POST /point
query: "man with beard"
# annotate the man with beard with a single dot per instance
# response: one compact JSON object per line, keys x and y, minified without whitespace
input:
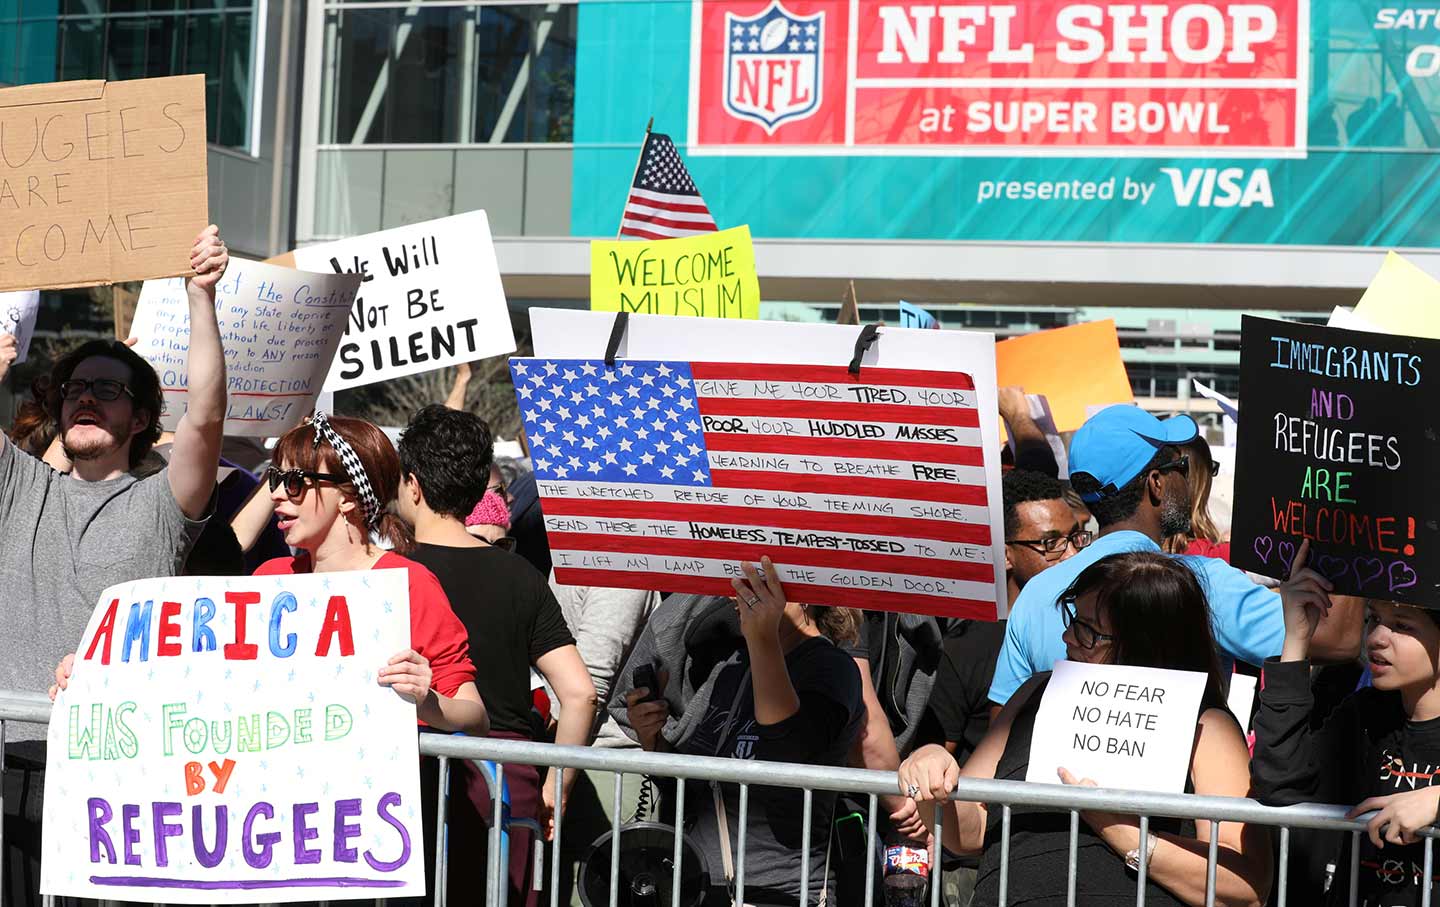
{"x":66,"y":537}
{"x":1128,"y":468}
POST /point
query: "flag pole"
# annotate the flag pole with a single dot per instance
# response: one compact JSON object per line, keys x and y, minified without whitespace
{"x":639,"y":159}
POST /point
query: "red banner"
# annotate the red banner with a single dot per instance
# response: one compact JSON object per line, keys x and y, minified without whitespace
{"x":1041,"y":77}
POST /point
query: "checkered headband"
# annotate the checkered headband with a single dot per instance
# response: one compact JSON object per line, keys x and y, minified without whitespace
{"x":353,"y":467}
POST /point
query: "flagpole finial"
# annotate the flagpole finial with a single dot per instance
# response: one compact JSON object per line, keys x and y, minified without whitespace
{"x":650,"y":125}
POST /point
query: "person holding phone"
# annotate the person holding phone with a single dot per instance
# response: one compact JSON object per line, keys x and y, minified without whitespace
{"x":783,"y":693}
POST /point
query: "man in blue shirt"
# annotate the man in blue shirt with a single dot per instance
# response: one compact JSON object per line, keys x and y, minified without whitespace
{"x":1128,"y":468}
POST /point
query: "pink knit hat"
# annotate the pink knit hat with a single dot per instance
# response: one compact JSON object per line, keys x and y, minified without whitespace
{"x":490,"y":511}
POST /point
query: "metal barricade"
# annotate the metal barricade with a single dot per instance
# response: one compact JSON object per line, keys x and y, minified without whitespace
{"x":808,"y":779}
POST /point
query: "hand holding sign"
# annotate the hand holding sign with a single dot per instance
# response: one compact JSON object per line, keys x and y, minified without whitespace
{"x":1305,"y":596}
{"x":1119,"y":832}
{"x":208,"y":259}
{"x":9,"y":350}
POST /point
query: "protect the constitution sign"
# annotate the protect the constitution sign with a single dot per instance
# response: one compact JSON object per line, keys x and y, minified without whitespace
{"x":225,"y":740}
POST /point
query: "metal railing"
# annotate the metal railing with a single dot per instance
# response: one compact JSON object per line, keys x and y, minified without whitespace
{"x":808,"y":779}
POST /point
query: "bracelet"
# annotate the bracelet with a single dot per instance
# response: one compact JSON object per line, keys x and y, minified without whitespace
{"x":1132,"y":859}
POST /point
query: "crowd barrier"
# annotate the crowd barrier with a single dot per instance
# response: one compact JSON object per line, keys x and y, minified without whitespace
{"x":24,"y":707}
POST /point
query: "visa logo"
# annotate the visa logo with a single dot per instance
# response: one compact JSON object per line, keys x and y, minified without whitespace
{"x":1212,"y":187}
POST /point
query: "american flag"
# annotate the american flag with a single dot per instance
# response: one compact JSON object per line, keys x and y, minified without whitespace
{"x":664,"y":202}
{"x":866,"y":492}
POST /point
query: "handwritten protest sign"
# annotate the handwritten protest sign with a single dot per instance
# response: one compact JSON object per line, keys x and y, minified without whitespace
{"x":912,"y":316}
{"x":430,"y":297}
{"x":17,"y":317}
{"x":1073,"y":367}
{"x":280,"y":329}
{"x":700,"y":449}
{"x":225,"y":739}
{"x":1402,"y":299}
{"x":1338,"y":445}
{"x":710,"y":274}
{"x":101,"y":181}
{"x":1120,"y":726}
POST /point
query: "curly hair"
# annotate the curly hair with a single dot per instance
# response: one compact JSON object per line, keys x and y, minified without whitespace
{"x":144,"y":387}
{"x":449,"y":452}
{"x":1022,"y":486}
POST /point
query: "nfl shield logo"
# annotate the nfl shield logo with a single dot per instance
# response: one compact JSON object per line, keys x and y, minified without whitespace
{"x":772,"y":66}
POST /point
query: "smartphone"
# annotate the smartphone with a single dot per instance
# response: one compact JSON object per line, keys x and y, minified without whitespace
{"x":644,"y":676}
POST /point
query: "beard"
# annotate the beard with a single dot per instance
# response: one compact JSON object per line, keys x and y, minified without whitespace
{"x":92,"y":447}
{"x":1174,"y":517}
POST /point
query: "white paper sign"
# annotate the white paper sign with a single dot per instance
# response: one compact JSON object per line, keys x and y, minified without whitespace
{"x":1345,"y":318}
{"x":17,"y":316}
{"x":572,"y":334}
{"x":1242,"y":698}
{"x":431,"y":298}
{"x":279,"y":327}
{"x":224,"y":740}
{"x":1122,"y":727}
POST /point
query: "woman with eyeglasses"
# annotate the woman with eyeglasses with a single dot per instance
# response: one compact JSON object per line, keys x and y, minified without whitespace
{"x":1142,"y":609}
{"x":331,"y":482}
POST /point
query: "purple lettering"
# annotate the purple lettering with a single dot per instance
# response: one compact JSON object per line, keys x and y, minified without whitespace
{"x":344,"y":831}
{"x":390,"y":800}
{"x":303,"y":833}
{"x":160,"y":814}
{"x":100,"y":813}
{"x":258,"y":857}
{"x":129,"y":812}
{"x":210,"y":858}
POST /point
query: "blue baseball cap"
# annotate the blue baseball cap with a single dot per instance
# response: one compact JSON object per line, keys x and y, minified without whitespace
{"x":1115,"y":444}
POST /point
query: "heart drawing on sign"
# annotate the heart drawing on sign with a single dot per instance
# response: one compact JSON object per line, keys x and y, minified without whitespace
{"x":1286,"y":550}
{"x":1332,"y":567}
{"x":1263,"y":544}
{"x":1368,"y":570}
{"x":1401,"y":576}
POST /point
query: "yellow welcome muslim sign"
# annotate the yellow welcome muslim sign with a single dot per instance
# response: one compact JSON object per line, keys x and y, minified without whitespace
{"x":710,"y":275}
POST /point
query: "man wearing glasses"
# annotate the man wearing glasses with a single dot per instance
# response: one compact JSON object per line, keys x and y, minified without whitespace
{"x":1129,"y":470}
{"x":67,"y":537}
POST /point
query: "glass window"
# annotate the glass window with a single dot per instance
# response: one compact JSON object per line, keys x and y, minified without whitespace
{"x":403,"y":76}
{"x":126,"y":50}
{"x":9,"y":51}
{"x":234,"y":119}
{"x":83,"y":49}
{"x":39,"y":45}
{"x":164,"y":50}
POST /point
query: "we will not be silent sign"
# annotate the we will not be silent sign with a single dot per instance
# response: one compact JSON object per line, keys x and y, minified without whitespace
{"x":227,"y":739}
{"x":1338,"y":444}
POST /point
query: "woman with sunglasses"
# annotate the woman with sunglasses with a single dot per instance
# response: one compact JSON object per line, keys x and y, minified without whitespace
{"x":1202,"y":539}
{"x":1142,"y":609}
{"x":331,"y":482}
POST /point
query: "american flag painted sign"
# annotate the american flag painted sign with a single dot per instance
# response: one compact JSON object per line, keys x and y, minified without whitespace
{"x":866,"y":492}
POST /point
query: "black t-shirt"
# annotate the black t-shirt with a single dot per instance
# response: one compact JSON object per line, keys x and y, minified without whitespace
{"x":821,"y":733}
{"x":960,"y":701}
{"x":512,"y":618}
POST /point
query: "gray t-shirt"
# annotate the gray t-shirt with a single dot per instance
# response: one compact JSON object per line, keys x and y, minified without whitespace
{"x":62,"y":542}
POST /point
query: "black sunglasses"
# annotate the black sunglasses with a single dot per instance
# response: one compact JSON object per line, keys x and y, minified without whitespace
{"x":294,"y":479}
{"x":1180,"y":464}
{"x":1086,"y":633}
{"x":1053,"y":547}
{"x":104,"y":389}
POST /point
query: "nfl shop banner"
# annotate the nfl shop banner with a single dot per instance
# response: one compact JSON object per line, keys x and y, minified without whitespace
{"x":1043,"y":121}
{"x":693,"y":451}
{"x":1042,"y":77}
{"x":224,"y":741}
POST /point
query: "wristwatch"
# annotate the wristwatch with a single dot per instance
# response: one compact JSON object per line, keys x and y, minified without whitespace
{"x":1132,"y":859}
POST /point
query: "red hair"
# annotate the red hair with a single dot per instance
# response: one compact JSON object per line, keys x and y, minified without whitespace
{"x":298,"y":449}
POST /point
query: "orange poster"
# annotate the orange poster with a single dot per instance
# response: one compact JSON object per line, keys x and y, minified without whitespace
{"x":1075,"y":368}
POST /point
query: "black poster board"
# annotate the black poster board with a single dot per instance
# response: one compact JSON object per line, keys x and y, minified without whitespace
{"x":1338,"y":443}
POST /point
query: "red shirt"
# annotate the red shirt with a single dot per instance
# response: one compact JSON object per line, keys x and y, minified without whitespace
{"x":435,"y":631}
{"x":1204,"y":548}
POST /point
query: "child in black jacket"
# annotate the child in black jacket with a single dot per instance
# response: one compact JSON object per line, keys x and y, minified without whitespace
{"x":1379,"y":749}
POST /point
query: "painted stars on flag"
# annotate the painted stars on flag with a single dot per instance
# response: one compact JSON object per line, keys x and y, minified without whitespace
{"x":637,"y":422}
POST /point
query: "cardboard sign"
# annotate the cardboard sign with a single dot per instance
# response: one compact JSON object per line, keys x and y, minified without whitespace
{"x":1338,"y":444}
{"x":702,"y":449}
{"x":1072,"y":367}
{"x":101,"y":181}
{"x":1122,"y":727}
{"x":17,"y":317}
{"x":912,"y":316}
{"x":711,"y":275}
{"x":224,"y":740}
{"x":430,"y":297}
{"x":280,"y":329}
{"x":1402,"y":299}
